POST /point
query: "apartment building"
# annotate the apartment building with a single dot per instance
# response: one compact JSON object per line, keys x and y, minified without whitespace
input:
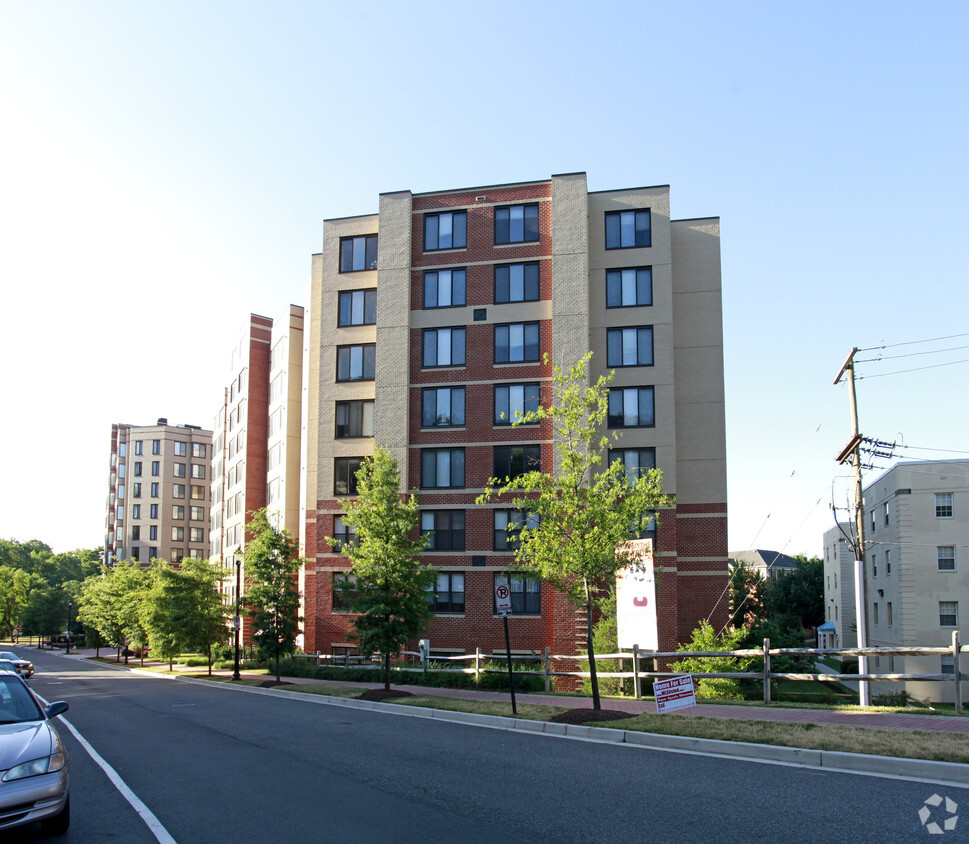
{"x":158,"y":493}
{"x":916,"y":568}
{"x":431,"y":323}
{"x":257,"y":442}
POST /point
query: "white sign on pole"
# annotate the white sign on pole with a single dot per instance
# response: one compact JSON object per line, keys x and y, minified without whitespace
{"x":503,"y":599}
{"x":636,"y":600}
{"x":674,"y":693}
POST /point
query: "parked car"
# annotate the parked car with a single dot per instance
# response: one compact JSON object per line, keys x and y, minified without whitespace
{"x":25,"y":665}
{"x":35,"y":779}
{"x":7,"y":665}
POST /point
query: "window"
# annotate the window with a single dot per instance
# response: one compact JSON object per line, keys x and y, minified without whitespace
{"x":358,"y":253}
{"x":516,"y":342}
{"x":943,"y":505}
{"x":198,"y":471}
{"x":344,"y":534}
{"x":628,"y":288}
{"x":886,"y":514}
{"x":516,"y":223}
{"x":153,"y":532}
{"x":447,"y":594}
{"x":946,"y":557}
{"x":874,"y":613}
{"x":444,"y":529}
{"x":139,"y":447}
{"x":510,"y":461}
{"x":198,"y":492}
{"x":120,"y":490}
{"x":526,"y":592}
{"x":121,"y":470}
{"x":631,"y":407}
{"x":948,"y":664}
{"x":358,"y":307}
{"x":153,"y":552}
{"x":626,"y":229}
{"x":177,"y":555}
{"x":156,"y":446}
{"x":154,"y":490}
{"x":516,"y":283}
{"x":508,"y":523}
{"x":629,"y":346}
{"x":137,"y":469}
{"x":634,"y":460}
{"x":197,"y":514}
{"x":155,"y":468}
{"x":512,"y":401}
{"x":275,"y":426}
{"x":442,"y":407}
{"x":874,"y":520}
{"x":178,"y":511}
{"x":153,"y":511}
{"x":345,"y":475}
{"x":948,"y":613}
{"x":198,"y":450}
{"x":343,"y":591}
{"x":136,"y":489}
{"x":874,"y":565}
{"x":442,"y":468}
{"x":179,"y":470}
{"x":178,"y":534}
{"x":445,"y":288}
{"x":136,"y":511}
{"x":889,"y":614}
{"x":356,"y":363}
{"x":354,"y":419}
{"x":123,"y":449}
{"x":888,"y":562}
{"x":443,"y":347}
{"x":180,"y":449}
{"x":178,"y":490}
{"x":445,"y":230}
{"x":196,"y":534}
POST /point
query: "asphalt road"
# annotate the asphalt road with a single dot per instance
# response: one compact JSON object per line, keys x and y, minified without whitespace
{"x":214,"y":765}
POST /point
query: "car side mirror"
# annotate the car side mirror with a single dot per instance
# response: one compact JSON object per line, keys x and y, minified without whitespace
{"x":56,"y":708}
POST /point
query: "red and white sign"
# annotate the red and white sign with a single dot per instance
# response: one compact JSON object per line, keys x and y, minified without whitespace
{"x":503,"y":599}
{"x":636,"y":599}
{"x":674,"y":693}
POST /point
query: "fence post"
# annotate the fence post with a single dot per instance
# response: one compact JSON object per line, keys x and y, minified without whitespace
{"x":548,"y":669}
{"x":766,"y":670}
{"x":317,"y":659}
{"x":637,"y":685}
{"x":477,"y":665}
{"x":958,"y":671}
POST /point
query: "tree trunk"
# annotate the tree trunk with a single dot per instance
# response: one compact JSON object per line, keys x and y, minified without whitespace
{"x":277,"y":667}
{"x":210,"y":660}
{"x":387,"y":672}
{"x":592,"y":654}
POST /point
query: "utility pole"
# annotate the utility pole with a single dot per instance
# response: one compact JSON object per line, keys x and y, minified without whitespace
{"x":852,"y":452}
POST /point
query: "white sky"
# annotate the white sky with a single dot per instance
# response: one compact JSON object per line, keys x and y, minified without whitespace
{"x":165,"y":168}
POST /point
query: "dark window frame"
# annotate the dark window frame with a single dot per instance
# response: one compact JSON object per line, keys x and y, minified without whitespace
{"x":531,"y":339}
{"x":430,"y":403}
{"x":618,"y":238}
{"x":526,"y":456}
{"x":449,"y":605}
{"x":457,"y":471}
{"x":614,"y":420}
{"x":432,"y":232}
{"x":344,"y":362}
{"x":531,"y":282}
{"x":616,"y":343}
{"x":431,"y":281}
{"x":524,"y":600}
{"x":531,"y":401}
{"x":345,"y":474}
{"x":506,"y":538}
{"x":340,"y":598}
{"x":449,"y":531}
{"x":350,"y":260}
{"x":530,"y":224}
{"x":616,"y":288}
{"x":351,"y":428}
{"x":458,"y":346}
{"x":345,"y":307}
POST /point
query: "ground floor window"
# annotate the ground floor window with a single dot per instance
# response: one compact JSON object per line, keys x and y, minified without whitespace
{"x":526,"y":591}
{"x":446,"y":595}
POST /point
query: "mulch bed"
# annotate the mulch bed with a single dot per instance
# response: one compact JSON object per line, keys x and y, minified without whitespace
{"x":383,"y":694}
{"x":268,"y":684}
{"x":586,"y":716}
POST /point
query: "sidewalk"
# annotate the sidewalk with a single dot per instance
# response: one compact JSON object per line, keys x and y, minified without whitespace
{"x":885,"y":721}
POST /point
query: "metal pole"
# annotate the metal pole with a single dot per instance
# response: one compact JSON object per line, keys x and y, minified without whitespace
{"x":511,"y":674}
{"x":637,"y":683}
{"x":237,"y":622}
{"x":958,"y":670}
{"x":766,"y":671}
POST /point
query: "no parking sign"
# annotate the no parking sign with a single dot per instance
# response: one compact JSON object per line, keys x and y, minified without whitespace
{"x":503,"y":599}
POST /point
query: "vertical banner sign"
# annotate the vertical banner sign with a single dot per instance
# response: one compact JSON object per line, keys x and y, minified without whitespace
{"x":636,"y":599}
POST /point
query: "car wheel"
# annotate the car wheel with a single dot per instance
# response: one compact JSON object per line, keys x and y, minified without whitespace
{"x":58,"y":824}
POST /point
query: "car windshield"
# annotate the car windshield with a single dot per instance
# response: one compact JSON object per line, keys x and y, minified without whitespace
{"x":8,"y":655}
{"x":16,"y":702}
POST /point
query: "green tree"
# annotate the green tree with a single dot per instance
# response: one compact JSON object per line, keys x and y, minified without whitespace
{"x":391,"y":584}
{"x":46,"y":611}
{"x":800,"y":593}
{"x":111,"y":603}
{"x":198,"y":610}
{"x":159,"y":611}
{"x":14,"y":592}
{"x":706,"y":639}
{"x":272,"y":596}
{"x":586,"y":508}
{"x":748,"y":595}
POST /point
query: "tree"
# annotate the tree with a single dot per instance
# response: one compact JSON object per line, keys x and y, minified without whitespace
{"x":14,"y":591}
{"x":46,"y":611}
{"x":706,"y":639}
{"x":748,"y":595}
{"x":272,"y":596}
{"x":586,"y":508}
{"x":800,"y":593}
{"x":198,"y":610}
{"x":159,"y":612}
{"x":391,"y":584}
{"x":111,"y":604}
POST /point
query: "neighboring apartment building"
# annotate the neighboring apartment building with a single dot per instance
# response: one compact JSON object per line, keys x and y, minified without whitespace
{"x":257,"y":442}
{"x":917,"y":570}
{"x":158,"y":494}
{"x":431,"y":320}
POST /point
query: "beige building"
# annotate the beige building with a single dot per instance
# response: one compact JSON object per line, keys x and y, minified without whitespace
{"x":158,"y":493}
{"x":917,"y":571}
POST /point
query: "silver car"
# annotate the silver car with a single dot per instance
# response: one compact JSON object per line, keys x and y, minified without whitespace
{"x":33,"y":762}
{"x":25,"y":666}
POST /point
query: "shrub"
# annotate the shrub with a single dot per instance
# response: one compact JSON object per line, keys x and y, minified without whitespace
{"x":705,"y":639}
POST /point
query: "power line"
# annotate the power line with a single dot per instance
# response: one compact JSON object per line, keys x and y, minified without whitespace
{"x":880,"y":358}
{"x":912,"y":342}
{"x":917,"y":369}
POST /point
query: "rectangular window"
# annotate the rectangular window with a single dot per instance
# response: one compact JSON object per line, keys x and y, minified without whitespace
{"x":196,"y":534}
{"x":445,"y":288}
{"x":178,"y":511}
{"x":629,"y":346}
{"x":627,"y":229}
{"x":888,"y":561}
{"x":137,"y":469}
{"x":510,"y":461}
{"x":874,"y":520}
{"x":874,"y":565}
{"x":343,"y":591}
{"x":634,"y":460}
{"x":629,"y":288}
{"x":358,"y":307}
{"x":121,"y":470}
{"x":356,"y":363}
{"x":508,"y":523}
{"x":136,"y":511}
{"x":442,"y":407}
{"x":123,"y":449}
{"x":943,"y":505}
{"x":179,"y":470}
{"x":444,"y":529}
{"x":631,"y":407}
{"x":886,"y":514}
{"x":444,"y":347}
{"x":874,"y":613}
{"x":516,"y":342}
{"x":139,"y":447}
{"x":154,"y":490}
{"x":442,"y":468}
{"x":136,"y":532}
{"x":512,"y":401}
{"x":354,"y":419}
{"x":177,"y":555}
{"x":155,"y":468}
{"x":889,"y":614}
{"x":153,"y":533}
{"x":156,"y":446}
{"x":948,"y":664}
{"x":447,"y":594}
{"x":180,"y":449}
{"x":948,"y":613}
{"x":197,"y":514}
{"x":344,"y":534}
{"x":136,"y":489}
{"x":445,"y":230}
{"x":198,"y":450}
{"x":153,"y":511}
{"x":516,"y":283}
{"x":120,"y":490}
{"x":345,"y":475}
{"x":526,"y":592}
{"x":516,"y":223}
{"x":178,"y":534}
{"x":946,"y":557}
{"x":358,"y":253}
{"x":178,"y":490}
{"x":198,"y":471}
{"x":198,"y":492}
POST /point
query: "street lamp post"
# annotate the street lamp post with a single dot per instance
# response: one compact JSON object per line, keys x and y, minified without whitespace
{"x":237,"y":621}
{"x":69,"y":605}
